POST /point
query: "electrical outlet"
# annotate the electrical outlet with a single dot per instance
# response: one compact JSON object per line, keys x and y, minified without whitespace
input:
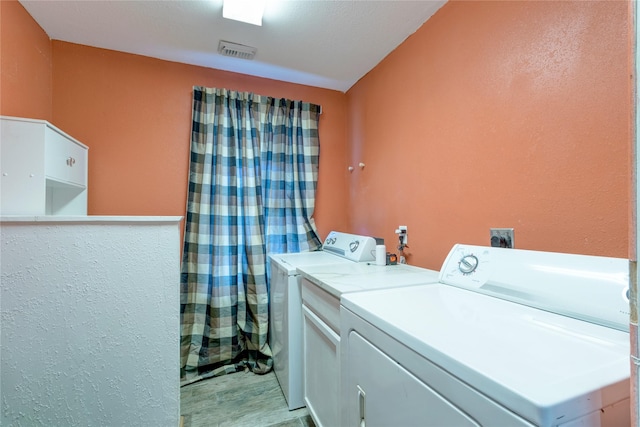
{"x":502,"y":237}
{"x":401,"y":231}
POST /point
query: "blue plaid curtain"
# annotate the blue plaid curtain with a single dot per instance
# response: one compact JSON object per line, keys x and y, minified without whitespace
{"x":252,"y":181}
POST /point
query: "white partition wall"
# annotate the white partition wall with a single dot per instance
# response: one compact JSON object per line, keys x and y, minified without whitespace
{"x":89,"y":321}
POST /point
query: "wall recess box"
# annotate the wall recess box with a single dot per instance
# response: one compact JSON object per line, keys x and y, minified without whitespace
{"x":502,"y":237}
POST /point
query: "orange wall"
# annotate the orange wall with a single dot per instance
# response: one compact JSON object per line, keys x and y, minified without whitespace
{"x":25,"y":64}
{"x":498,"y":114}
{"x":134,"y":113}
{"x":493,"y":114}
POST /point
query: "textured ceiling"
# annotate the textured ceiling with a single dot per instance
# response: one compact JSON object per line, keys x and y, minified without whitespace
{"x":323,"y":43}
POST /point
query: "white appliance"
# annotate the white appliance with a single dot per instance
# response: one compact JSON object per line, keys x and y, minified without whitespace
{"x":285,"y":311}
{"x":508,"y":337}
{"x":321,"y":292}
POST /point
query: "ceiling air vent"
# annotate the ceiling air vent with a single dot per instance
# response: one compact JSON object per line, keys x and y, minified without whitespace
{"x":236,"y":50}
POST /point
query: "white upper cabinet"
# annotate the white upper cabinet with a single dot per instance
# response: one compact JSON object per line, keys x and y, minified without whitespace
{"x":43,"y":170}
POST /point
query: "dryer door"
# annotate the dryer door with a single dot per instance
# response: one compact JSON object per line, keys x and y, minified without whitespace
{"x":384,"y":394}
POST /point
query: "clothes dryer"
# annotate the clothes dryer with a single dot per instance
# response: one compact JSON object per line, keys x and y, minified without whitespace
{"x":507,"y":337}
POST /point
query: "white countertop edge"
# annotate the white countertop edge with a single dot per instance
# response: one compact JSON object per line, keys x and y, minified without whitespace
{"x":322,"y":285}
{"x":337,"y":286}
{"x":88,"y":219}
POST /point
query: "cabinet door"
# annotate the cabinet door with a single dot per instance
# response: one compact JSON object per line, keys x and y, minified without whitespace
{"x":22,"y":191}
{"x":321,"y":370}
{"x":66,"y":160}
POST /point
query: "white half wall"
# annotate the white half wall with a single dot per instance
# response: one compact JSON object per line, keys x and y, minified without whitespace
{"x":89,"y":322}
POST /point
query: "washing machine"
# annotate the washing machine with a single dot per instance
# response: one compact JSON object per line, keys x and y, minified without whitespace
{"x":505,"y":338}
{"x":322,"y":289}
{"x":285,"y":308}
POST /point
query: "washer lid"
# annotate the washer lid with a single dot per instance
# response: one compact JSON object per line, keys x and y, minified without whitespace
{"x":300,"y":259}
{"x":545,"y":367}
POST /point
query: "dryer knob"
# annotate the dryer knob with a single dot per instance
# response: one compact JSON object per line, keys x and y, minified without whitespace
{"x":468,"y":264}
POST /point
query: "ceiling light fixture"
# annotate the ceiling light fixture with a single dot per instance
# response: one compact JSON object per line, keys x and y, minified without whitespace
{"x":249,"y":11}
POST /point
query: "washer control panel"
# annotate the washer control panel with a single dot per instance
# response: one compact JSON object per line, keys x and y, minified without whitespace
{"x":353,"y":247}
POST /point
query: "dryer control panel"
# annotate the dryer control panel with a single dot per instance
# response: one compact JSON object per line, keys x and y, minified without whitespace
{"x":586,"y":287}
{"x":467,"y":266}
{"x":351,"y":246}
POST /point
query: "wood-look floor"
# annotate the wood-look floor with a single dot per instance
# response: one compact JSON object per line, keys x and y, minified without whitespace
{"x":242,"y":399}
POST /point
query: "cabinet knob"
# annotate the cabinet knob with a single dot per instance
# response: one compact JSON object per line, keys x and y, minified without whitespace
{"x":31,"y":175}
{"x":5,"y":174}
{"x":71,"y":161}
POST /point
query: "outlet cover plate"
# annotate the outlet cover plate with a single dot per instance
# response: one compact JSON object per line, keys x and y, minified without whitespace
{"x":502,"y":237}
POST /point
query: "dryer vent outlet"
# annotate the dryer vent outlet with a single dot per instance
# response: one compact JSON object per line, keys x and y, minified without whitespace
{"x":502,"y":238}
{"x":236,"y":50}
